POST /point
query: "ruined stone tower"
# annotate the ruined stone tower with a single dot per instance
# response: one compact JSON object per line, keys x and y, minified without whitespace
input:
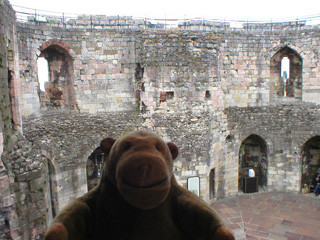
{"x":220,"y":93}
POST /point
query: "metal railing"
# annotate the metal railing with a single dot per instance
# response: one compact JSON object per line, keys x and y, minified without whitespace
{"x":24,"y":14}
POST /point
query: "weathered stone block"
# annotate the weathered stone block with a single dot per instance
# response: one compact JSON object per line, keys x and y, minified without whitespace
{"x":4,"y":186}
{"x":33,"y":175}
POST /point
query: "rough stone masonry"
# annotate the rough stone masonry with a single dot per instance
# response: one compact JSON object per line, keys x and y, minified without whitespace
{"x":216,"y":91}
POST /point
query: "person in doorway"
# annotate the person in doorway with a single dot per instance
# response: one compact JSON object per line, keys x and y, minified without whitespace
{"x":317,"y":188}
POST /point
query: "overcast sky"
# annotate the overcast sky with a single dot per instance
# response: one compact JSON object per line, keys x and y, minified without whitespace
{"x":223,"y":9}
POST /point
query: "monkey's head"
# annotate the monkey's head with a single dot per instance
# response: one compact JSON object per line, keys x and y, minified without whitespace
{"x":140,"y":165}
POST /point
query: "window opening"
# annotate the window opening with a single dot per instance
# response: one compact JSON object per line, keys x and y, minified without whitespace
{"x":43,"y":73}
{"x":164,"y":96}
{"x":208,"y":95}
{"x":212,"y":183}
{"x":43,"y":78}
{"x":170,"y":95}
{"x":56,"y":77}
{"x":285,"y":74}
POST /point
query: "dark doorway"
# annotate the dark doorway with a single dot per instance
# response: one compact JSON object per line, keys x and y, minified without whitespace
{"x":94,"y":168}
{"x":310,"y":161}
{"x":51,"y":191}
{"x":253,"y":156}
{"x":212,"y":183}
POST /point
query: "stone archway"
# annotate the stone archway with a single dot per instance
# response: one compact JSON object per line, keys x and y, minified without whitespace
{"x":58,"y":92}
{"x":51,"y":190}
{"x":94,"y":167}
{"x":310,"y":161}
{"x":212,"y":179}
{"x":253,"y":155}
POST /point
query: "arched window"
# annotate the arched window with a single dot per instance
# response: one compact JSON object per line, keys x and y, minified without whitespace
{"x":55,"y":69}
{"x":286,"y":74}
{"x":43,"y":73}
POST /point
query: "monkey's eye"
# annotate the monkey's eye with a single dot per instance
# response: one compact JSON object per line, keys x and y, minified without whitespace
{"x":126,"y":146}
{"x":158,"y":147}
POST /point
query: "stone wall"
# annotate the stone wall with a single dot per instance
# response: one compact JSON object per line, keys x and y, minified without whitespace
{"x":22,"y":206}
{"x":246,"y":74}
{"x":203,"y":85}
{"x":7,"y":21}
{"x":103,"y":70}
{"x":7,"y":42}
{"x":67,"y":140}
{"x":28,"y":188}
{"x":285,"y":129}
{"x":122,"y":64}
{"x":231,"y":65}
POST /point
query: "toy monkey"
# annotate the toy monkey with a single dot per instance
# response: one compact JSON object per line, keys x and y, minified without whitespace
{"x":138,"y":198}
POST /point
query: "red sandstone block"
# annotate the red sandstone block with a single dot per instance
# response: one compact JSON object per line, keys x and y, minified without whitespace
{"x":246,"y":219}
{"x":4,"y":186}
{"x":249,"y":237}
{"x":293,"y":236}
{"x":37,"y":231}
{"x":233,"y":226}
{"x":227,"y":210}
{"x":235,"y":220}
{"x":8,"y":201}
{"x":250,"y":226}
{"x":308,"y":230}
{"x":225,"y":215}
{"x":257,"y":233}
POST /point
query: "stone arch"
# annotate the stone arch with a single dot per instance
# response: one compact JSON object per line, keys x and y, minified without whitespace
{"x":290,"y":84}
{"x":253,"y":154}
{"x":59,"y":90}
{"x":91,"y":157}
{"x":57,"y":43}
{"x":51,"y":193}
{"x":94,"y":167}
{"x":276,"y":49}
{"x":212,"y":183}
{"x":310,"y":160}
{"x":300,"y":142}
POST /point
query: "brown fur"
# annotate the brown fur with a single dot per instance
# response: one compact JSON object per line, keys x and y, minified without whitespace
{"x":138,"y":198}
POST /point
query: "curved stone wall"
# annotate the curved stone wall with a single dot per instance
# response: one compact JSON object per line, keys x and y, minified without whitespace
{"x":204,"y":85}
{"x":121,"y":64}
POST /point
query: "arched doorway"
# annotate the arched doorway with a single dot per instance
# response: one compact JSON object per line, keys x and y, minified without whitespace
{"x":57,"y":92}
{"x":310,"y":161}
{"x":253,"y":155}
{"x":212,"y":182}
{"x":94,"y":167}
{"x":51,"y":191}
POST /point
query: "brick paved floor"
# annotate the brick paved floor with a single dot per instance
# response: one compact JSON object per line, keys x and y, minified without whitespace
{"x":277,"y":216}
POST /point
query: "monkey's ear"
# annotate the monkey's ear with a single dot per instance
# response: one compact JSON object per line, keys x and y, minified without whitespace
{"x":173,"y":149}
{"x":106,"y":144}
